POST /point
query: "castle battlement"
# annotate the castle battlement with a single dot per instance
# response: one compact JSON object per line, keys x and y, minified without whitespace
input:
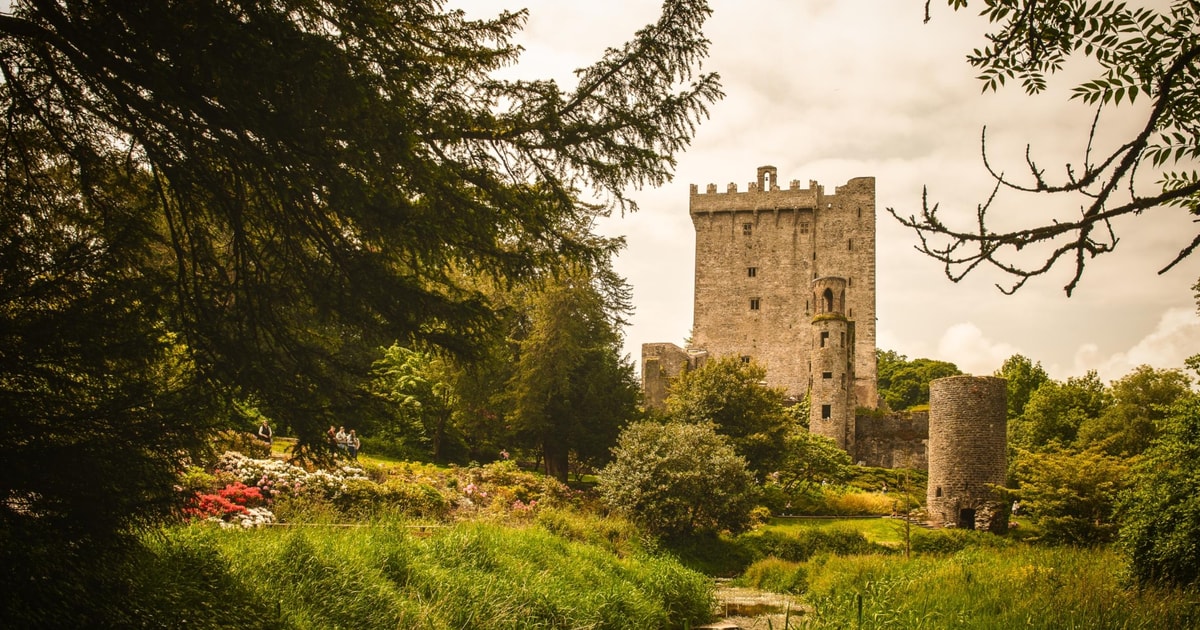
{"x":757,"y":254}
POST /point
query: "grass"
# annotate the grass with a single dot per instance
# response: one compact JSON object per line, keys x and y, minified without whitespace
{"x":470,"y":575}
{"x":883,"y":531}
{"x":979,"y":587}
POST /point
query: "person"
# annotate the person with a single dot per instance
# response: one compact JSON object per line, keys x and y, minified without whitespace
{"x":353,"y":444}
{"x":331,"y":435}
{"x":342,"y":439}
{"x":264,"y":432}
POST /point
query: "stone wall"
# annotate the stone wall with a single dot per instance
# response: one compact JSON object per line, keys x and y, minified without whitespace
{"x":757,"y":252}
{"x":897,"y":440}
{"x":662,"y":362}
{"x":967,"y":452}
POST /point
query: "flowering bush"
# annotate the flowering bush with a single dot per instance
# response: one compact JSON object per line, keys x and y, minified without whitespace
{"x":274,"y":477}
{"x":234,"y":505}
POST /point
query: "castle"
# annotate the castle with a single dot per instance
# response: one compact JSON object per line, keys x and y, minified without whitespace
{"x":786,"y":278}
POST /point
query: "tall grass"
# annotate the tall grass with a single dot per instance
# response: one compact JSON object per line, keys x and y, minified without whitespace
{"x":980,"y":587}
{"x":466,"y":576}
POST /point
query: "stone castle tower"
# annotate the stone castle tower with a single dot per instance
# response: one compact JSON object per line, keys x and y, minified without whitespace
{"x":779,"y":272}
{"x":968,"y":432}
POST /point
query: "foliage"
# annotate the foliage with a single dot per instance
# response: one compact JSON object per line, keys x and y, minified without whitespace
{"x":1071,"y":497}
{"x":240,"y":200}
{"x":243,"y":442}
{"x":614,"y":533}
{"x":730,"y":394}
{"x":573,"y":390}
{"x":801,"y":543}
{"x":467,"y":576}
{"x":983,"y":588}
{"x":872,"y":479}
{"x":1160,"y":525}
{"x":775,"y":575}
{"x":904,"y":384}
{"x":1022,"y":377}
{"x":1055,"y":411}
{"x":678,"y":478}
{"x":420,"y":386}
{"x":954,"y":540}
{"x":844,"y":501}
{"x":811,"y":460}
{"x":1139,"y":403}
{"x":1137,"y":51}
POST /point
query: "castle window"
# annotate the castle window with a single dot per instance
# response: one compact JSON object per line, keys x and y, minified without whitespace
{"x":939,"y":492}
{"x":745,"y":358}
{"x":828,"y":295}
{"x":751,"y":272}
{"x":754,"y":304}
{"x":747,"y":228}
{"x":826,"y":412}
{"x":849,"y":282}
{"x":826,"y":374}
{"x":850,"y":244}
{"x":804,"y":227}
{"x":843,"y":339}
{"x":824,"y":338}
{"x":860,"y":212}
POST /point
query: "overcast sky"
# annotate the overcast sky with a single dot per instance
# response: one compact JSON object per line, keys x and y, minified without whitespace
{"x":829,"y":90}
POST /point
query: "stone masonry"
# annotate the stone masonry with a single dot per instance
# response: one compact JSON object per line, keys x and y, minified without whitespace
{"x":757,"y":255}
{"x":967,"y":448}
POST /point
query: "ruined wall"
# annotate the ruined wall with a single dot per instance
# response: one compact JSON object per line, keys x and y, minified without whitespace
{"x":897,"y":440}
{"x":757,"y":252}
{"x":968,"y":428}
{"x":662,"y":362}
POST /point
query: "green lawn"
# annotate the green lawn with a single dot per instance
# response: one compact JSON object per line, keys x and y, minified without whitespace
{"x":885,"y":531}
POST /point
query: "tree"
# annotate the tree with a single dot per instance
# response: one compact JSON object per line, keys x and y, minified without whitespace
{"x":1160,"y":524}
{"x":811,"y":460}
{"x":904,"y":384}
{"x":274,"y":191}
{"x":1140,"y":402}
{"x":324,"y":173}
{"x":1072,"y":496}
{"x":1022,"y":378}
{"x":1140,"y":52}
{"x":572,"y":389}
{"x":422,"y":390}
{"x":1055,"y":411}
{"x":731,"y":395}
{"x":677,"y":478}
{"x":102,"y":401}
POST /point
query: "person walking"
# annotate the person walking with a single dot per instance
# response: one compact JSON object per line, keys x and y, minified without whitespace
{"x":353,"y":445}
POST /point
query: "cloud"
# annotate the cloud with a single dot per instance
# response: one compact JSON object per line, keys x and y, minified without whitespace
{"x":1175,"y":338}
{"x":966,"y":346}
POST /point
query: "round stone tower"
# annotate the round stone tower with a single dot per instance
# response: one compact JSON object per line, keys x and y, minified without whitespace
{"x":831,"y":367}
{"x":968,"y":427}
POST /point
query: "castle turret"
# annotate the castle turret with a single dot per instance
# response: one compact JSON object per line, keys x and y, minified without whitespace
{"x":831,"y":369}
{"x":968,"y":432}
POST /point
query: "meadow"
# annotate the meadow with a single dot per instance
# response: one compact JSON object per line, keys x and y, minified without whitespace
{"x":397,"y":544}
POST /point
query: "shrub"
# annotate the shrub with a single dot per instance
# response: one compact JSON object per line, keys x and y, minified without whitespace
{"x":775,"y":575}
{"x":953,"y":540}
{"x":806,"y":542}
{"x":242,"y":442}
{"x":1072,"y":496}
{"x":612,"y":532}
{"x":1161,"y":528}
{"x":677,"y":478}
